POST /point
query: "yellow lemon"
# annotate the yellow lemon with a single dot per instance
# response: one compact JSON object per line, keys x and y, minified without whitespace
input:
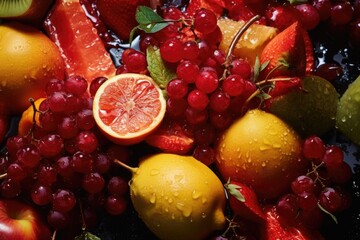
{"x":178,"y":197}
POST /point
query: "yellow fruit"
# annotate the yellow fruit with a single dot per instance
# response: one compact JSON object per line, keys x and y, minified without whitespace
{"x":250,"y":44}
{"x":261,"y":150}
{"x":28,"y":59}
{"x":178,"y":197}
{"x":27,"y":118}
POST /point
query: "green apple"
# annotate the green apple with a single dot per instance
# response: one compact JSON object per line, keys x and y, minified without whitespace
{"x":311,"y":110}
{"x":348,"y":114}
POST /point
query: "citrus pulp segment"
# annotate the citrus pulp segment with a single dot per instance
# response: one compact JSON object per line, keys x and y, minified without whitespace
{"x":128,"y":107}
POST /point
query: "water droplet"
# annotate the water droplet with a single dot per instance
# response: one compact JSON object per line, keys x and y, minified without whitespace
{"x":154,"y":172}
{"x":196,"y":194}
{"x":153,"y":198}
{"x":185,"y":210}
{"x":203,"y":215}
{"x":263,"y":164}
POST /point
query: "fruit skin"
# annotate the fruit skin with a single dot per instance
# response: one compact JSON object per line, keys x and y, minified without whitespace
{"x":33,"y":14}
{"x":119,"y":15}
{"x":178,"y":197}
{"x":81,"y":48}
{"x":274,"y":229}
{"x":248,"y":207}
{"x":310,"y":110}
{"x":139,"y":87}
{"x":20,"y":221}
{"x":257,"y":149}
{"x":28,"y":60}
{"x":286,"y":54}
{"x":348,"y":112}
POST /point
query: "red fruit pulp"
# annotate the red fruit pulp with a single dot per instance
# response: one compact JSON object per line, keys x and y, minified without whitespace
{"x":80,"y":46}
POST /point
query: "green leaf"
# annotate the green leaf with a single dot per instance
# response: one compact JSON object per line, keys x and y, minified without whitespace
{"x":264,"y":65}
{"x":327,"y":212}
{"x":257,"y":68}
{"x":145,"y":15}
{"x":153,"y":27}
{"x":157,"y":68}
{"x":283,"y":62}
{"x":233,"y":189}
{"x":87,"y":236}
{"x":132,"y":33}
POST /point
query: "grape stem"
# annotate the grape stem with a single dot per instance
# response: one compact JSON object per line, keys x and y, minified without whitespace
{"x":236,"y":39}
{"x":3,"y":176}
{"x":131,"y":169}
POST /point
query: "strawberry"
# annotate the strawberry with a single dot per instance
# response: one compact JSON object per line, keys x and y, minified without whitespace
{"x":243,"y":201}
{"x":285,"y":85}
{"x":309,"y":52}
{"x":285,"y":54}
{"x":281,"y":16}
{"x":273,"y":229}
{"x":119,"y":15}
{"x":172,"y":137}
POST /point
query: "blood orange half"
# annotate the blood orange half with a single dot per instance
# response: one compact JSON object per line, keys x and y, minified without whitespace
{"x":128,"y":107}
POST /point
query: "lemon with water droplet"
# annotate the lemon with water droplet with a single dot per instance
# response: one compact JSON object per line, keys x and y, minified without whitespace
{"x":348,"y":114}
{"x":184,"y":200}
{"x":311,"y":110}
{"x":268,"y":164}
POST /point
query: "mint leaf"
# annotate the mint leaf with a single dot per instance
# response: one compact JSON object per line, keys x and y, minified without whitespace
{"x":145,"y":15}
{"x":87,"y":236}
{"x":157,"y":68}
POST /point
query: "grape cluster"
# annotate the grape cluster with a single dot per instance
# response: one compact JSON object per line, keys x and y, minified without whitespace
{"x":322,"y":190}
{"x":64,"y":161}
{"x":207,"y":92}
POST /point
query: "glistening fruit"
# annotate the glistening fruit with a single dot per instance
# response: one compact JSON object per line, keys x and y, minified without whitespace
{"x":310,"y":110}
{"x":262,"y":151}
{"x":28,"y":60}
{"x":348,"y":113}
{"x":177,"y":197}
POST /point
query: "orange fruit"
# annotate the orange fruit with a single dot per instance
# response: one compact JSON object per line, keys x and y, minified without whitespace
{"x":28,"y":59}
{"x":27,"y":118}
{"x":128,"y":107}
{"x":262,"y":151}
{"x":250,"y":44}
